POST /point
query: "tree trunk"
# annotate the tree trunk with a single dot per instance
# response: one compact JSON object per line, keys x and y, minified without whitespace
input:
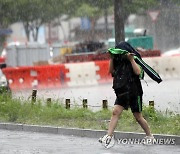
{"x":119,"y":21}
{"x":27,"y":31}
{"x":33,"y":34}
{"x":2,"y":41}
{"x":62,"y":28}
{"x":36,"y":34}
{"x":92,"y":30}
{"x":106,"y":22}
{"x":64,"y":35}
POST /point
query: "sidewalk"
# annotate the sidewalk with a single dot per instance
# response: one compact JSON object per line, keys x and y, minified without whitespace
{"x":21,"y":142}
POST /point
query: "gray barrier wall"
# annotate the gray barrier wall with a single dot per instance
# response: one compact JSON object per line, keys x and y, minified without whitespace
{"x":11,"y":59}
{"x":56,"y":50}
{"x":26,"y":55}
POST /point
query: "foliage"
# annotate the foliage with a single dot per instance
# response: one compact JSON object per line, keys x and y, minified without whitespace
{"x":137,"y":6}
{"x":37,"y":12}
{"x":6,"y":16}
{"x":34,"y":13}
{"x":6,"y":13}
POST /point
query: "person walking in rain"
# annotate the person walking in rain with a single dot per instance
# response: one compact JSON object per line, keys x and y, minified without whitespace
{"x":126,"y":75}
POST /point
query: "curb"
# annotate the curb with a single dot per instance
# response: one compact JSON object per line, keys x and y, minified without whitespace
{"x":83,"y":132}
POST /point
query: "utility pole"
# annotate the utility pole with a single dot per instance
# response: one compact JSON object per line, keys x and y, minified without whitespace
{"x":49,"y":33}
{"x":119,"y":21}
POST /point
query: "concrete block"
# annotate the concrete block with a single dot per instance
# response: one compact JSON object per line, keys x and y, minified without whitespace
{"x":41,"y":129}
{"x":169,"y":138}
{"x":94,"y":133}
{"x":48,"y":129}
{"x":2,"y":126}
{"x":64,"y":131}
{"x":31,"y":128}
{"x":17,"y":127}
{"x":87,"y":132}
{"x":129,"y":135}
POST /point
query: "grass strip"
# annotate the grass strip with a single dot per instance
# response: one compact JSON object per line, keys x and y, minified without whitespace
{"x":22,"y":111}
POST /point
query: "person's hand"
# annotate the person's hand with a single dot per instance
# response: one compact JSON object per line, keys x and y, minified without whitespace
{"x":130,"y":56}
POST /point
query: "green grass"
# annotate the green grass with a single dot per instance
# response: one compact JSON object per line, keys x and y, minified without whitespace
{"x":22,"y":111}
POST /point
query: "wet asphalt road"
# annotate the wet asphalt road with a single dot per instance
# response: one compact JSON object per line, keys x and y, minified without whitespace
{"x":15,"y":142}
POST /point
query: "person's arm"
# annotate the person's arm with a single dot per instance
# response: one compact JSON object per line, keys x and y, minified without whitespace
{"x":111,"y":67}
{"x":135,"y":66}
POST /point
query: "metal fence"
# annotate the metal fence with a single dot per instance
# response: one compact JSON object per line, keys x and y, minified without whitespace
{"x":27,"y":55}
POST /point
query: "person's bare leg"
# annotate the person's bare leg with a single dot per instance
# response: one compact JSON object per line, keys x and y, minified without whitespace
{"x":143,"y":123}
{"x":114,"y":118}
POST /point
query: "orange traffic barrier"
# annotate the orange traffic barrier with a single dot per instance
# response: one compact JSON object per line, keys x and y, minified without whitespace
{"x":2,"y":60}
{"x":59,"y":76}
{"x":51,"y":76}
{"x":105,"y":76}
{"x":36,"y":77}
{"x":18,"y":78}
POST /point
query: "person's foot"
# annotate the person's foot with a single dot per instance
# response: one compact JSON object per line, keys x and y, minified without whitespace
{"x":103,"y":138}
{"x":107,"y":141}
{"x":149,"y":140}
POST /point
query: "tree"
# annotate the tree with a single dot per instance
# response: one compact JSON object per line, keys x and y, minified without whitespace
{"x":123,"y":8}
{"x":92,"y":13}
{"x":137,"y":6}
{"x":32,"y":16}
{"x":90,"y":9}
{"x":6,"y":16}
{"x":119,"y":21}
{"x":36,"y":13}
{"x":95,"y":9}
{"x":105,"y":6}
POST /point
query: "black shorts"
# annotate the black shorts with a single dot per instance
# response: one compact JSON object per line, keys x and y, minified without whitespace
{"x":126,"y":100}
